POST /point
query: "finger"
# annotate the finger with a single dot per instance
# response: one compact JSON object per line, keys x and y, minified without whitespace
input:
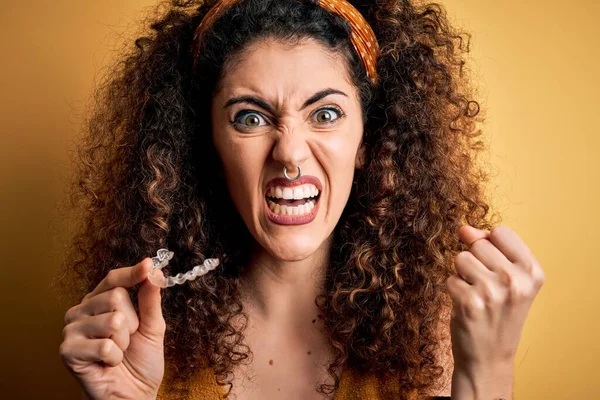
{"x":116,"y":299}
{"x":490,"y":256}
{"x":111,"y":325}
{"x":123,"y":277}
{"x":76,"y":351}
{"x":510,"y":244}
{"x":458,"y":289}
{"x":467,"y":304}
{"x":469,"y":234}
{"x":152,"y":322}
{"x":470,"y":269}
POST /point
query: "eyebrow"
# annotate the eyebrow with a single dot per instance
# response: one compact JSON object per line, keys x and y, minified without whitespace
{"x":257,"y":101}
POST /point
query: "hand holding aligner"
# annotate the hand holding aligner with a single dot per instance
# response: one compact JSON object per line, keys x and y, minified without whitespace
{"x":162,"y":260}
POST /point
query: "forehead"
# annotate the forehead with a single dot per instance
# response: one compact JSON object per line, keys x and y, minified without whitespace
{"x":275,"y":68}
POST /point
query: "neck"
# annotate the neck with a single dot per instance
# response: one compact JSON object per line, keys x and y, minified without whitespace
{"x":285,"y":291}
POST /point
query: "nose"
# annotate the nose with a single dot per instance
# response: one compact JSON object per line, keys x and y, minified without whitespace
{"x":291,"y":150}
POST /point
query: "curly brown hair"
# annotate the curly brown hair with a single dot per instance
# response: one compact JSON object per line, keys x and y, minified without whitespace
{"x":139,"y":185}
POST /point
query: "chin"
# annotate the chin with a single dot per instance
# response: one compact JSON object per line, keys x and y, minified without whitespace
{"x":295,"y":248}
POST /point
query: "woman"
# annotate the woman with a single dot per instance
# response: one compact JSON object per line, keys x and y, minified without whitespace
{"x":324,"y":151}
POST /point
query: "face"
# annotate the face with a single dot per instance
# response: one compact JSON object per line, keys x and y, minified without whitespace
{"x":281,"y":105}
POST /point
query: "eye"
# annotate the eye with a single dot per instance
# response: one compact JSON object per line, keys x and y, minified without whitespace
{"x":248,"y":119}
{"x":328,"y":115}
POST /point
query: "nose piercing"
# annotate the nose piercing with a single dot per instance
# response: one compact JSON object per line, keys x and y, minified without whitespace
{"x":294,"y":178}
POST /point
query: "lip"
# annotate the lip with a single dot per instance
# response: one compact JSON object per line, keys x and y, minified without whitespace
{"x":293,"y":219}
{"x":303,"y":180}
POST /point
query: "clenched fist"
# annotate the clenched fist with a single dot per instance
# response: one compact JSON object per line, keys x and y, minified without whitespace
{"x":497,"y":280}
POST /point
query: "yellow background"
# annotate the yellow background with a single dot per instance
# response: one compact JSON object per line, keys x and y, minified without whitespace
{"x":536,"y":63}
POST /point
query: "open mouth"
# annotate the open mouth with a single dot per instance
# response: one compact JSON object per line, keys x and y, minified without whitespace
{"x":297,"y":200}
{"x":293,"y":203}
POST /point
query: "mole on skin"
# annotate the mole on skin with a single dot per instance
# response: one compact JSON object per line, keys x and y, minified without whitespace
{"x":270,"y":362}
{"x":308,"y":353}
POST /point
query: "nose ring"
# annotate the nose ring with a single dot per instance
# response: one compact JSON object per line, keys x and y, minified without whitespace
{"x":294,"y":178}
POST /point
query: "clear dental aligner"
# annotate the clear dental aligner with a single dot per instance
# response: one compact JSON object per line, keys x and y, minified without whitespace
{"x":162,"y":260}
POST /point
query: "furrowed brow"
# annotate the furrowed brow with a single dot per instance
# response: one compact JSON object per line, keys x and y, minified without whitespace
{"x":321,"y":95}
{"x":266,"y":106}
{"x":250,"y":100}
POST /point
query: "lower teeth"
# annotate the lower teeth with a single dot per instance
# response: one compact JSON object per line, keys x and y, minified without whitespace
{"x":292,"y":210}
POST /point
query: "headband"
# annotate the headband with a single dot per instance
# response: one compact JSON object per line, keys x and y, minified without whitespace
{"x":362,"y":35}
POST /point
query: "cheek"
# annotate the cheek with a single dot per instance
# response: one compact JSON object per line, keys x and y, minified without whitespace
{"x":243,"y":164}
{"x":338,"y":158}
{"x":340,"y":153}
{"x":241,"y":160}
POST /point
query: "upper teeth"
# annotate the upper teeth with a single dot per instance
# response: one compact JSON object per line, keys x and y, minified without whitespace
{"x":296,"y":193}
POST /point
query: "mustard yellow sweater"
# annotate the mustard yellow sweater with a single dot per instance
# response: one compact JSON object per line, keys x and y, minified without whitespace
{"x":353,"y":386}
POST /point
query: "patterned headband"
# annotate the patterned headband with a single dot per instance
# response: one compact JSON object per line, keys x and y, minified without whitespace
{"x":362,"y":35}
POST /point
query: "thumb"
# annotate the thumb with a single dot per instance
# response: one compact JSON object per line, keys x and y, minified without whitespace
{"x":151,"y":318}
{"x":469,"y":234}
